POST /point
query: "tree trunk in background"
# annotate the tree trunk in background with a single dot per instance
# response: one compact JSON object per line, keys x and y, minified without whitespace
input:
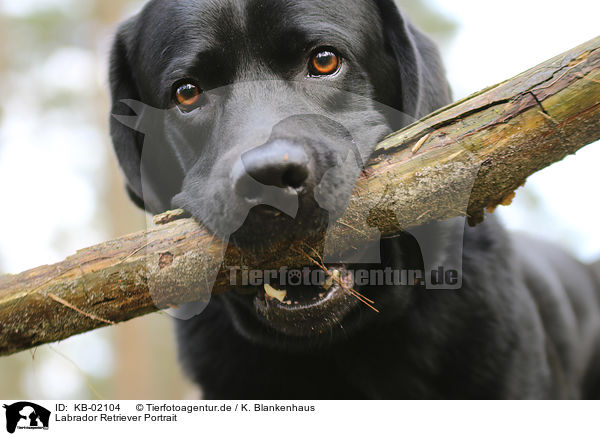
{"x":2,"y":67}
{"x":145,"y":361}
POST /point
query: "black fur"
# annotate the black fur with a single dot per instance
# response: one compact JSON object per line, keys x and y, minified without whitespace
{"x":525,"y":323}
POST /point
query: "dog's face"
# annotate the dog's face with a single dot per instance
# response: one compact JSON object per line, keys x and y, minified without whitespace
{"x":259,"y":114}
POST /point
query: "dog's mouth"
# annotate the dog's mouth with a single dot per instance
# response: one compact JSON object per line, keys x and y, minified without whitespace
{"x":305,"y":310}
{"x":304,"y":298}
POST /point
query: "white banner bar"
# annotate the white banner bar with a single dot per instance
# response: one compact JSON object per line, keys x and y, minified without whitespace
{"x":305,"y":418}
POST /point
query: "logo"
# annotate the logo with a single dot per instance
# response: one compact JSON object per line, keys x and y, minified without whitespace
{"x":26,"y":416}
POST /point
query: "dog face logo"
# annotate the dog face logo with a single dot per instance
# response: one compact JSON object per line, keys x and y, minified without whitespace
{"x":25,"y":415}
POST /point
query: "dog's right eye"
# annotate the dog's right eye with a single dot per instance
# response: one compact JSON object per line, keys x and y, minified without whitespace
{"x":187,"y":95}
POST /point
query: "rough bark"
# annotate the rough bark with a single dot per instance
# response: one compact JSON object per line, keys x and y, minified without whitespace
{"x":462,"y":159}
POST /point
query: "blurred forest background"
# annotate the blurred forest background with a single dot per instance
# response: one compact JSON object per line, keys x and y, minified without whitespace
{"x":59,"y":180}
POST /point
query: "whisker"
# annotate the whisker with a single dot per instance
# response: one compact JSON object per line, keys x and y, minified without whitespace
{"x":360,"y":297}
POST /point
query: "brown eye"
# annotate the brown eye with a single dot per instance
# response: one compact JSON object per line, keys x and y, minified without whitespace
{"x":187,"y":95}
{"x":324,"y":62}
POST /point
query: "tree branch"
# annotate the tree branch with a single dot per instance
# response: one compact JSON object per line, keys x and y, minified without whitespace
{"x":466,"y":157}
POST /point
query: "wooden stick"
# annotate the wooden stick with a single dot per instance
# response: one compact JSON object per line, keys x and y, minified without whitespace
{"x":462,"y":159}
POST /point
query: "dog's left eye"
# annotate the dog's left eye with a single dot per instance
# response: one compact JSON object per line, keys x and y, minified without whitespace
{"x":324,"y":62}
{"x":187,"y":95}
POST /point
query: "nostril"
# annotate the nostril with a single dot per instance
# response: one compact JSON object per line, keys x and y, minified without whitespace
{"x":294,"y":176}
{"x":248,"y":190}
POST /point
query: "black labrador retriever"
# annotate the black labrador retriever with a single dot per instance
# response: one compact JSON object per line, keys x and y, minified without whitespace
{"x":256,"y":107}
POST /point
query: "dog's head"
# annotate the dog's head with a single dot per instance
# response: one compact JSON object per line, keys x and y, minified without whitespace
{"x":257,"y":115}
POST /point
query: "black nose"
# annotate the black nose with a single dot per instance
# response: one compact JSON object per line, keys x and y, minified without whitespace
{"x":279,"y":164}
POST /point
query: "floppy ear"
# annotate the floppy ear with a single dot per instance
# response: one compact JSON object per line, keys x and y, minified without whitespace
{"x":127,"y":142}
{"x":423,"y":79}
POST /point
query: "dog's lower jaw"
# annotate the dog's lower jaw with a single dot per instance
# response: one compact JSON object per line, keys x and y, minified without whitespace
{"x":316,"y":317}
